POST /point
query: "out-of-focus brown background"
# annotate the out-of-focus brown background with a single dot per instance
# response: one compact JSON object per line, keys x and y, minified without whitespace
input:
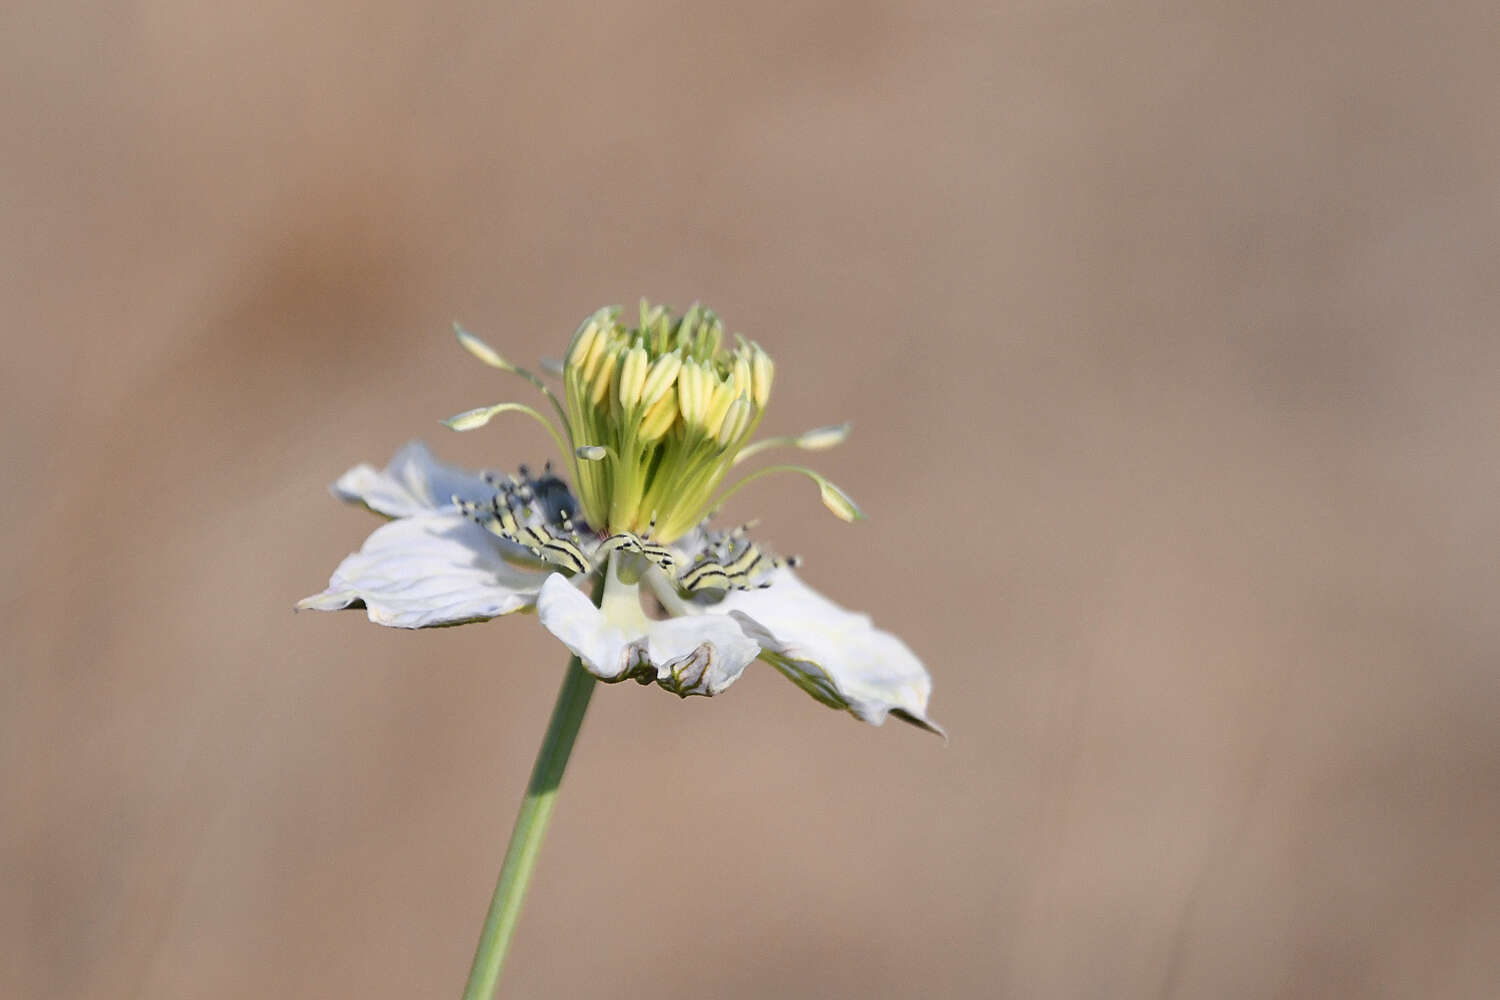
{"x":1169,"y":332}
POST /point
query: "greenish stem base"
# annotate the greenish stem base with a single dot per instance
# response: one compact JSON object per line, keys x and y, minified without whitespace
{"x":531,"y":827}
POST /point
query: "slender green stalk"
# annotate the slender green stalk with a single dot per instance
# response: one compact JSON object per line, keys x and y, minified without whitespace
{"x":531,"y":827}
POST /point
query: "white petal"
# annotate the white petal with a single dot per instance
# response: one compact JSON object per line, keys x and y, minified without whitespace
{"x":580,"y":626}
{"x":413,"y":483}
{"x":837,"y":656}
{"x":700,"y":654}
{"x":434,"y":569}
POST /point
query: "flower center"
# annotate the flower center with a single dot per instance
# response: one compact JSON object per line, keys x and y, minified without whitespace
{"x":658,"y":412}
{"x":537,"y":514}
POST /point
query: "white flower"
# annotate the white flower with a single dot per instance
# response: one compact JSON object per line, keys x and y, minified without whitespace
{"x":676,"y":603}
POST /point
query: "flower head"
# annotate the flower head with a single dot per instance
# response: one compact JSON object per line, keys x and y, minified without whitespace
{"x":651,"y":420}
{"x":662,"y":410}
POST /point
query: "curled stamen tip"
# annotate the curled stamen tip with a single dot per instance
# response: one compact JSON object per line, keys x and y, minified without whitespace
{"x":591,"y":452}
{"x":820,"y":438}
{"x":484,"y":352}
{"x":469,"y":419}
{"x":839,"y":502}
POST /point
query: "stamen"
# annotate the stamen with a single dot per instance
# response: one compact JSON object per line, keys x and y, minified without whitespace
{"x":741,"y":373}
{"x":583,"y":342}
{"x":687,"y":324}
{"x":481,"y":415}
{"x":762,"y":370}
{"x":835,"y":499}
{"x":660,"y":378}
{"x":817,"y":439}
{"x":724,"y":393}
{"x":823,"y":438}
{"x":484,"y":352}
{"x":736,"y":419}
{"x":632,"y":376}
{"x":604,"y":377}
{"x":626,"y":389}
{"x":658,"y":419}
{"x":692,"y":393}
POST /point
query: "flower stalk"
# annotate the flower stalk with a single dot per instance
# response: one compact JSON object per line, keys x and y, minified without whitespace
{"x":531,"y":827}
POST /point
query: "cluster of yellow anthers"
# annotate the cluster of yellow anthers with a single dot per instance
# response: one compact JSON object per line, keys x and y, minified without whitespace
{"x":655,"y":416}
{"x":665,"y":408}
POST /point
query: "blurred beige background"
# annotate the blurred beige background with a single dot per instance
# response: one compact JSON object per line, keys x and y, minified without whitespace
{"x":1169,"y":332}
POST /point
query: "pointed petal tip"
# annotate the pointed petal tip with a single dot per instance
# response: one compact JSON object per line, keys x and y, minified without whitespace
{"x":921,"y":723}
{"x":427,"y":571}
{"x":328,"y":600}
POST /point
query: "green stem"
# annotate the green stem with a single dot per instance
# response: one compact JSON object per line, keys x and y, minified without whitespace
{"x":531,"y":827}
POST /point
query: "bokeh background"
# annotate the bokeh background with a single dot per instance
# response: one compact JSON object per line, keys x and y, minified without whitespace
{"x":1169,"y":333}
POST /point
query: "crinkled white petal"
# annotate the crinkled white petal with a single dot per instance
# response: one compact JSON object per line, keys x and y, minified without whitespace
{"x":433,"y":569}
{"x":698,"y":654}
{"x":413,"y":483}
{"x":835,"y":655}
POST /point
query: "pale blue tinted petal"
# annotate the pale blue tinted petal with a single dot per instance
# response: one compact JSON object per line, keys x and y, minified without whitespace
{"x":434,"y":569}
{"x":835,"y":655}
{"x":413,"y":483}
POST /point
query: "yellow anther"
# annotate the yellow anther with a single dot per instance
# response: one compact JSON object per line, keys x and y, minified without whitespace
{"x":659,"y":380}
{"x":723,"y":394}
{"x":762,"y":371}
{"x":658,"y":419}
{"x":585,"y":343}
{"x":627,"y":386}
{"x":742,"y":370}
{"x":692,"y":393}
{"x":605,"y":343}
{"x":736,"y":419}
{"x":633,"y":376}
{"x":604,"y":377}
